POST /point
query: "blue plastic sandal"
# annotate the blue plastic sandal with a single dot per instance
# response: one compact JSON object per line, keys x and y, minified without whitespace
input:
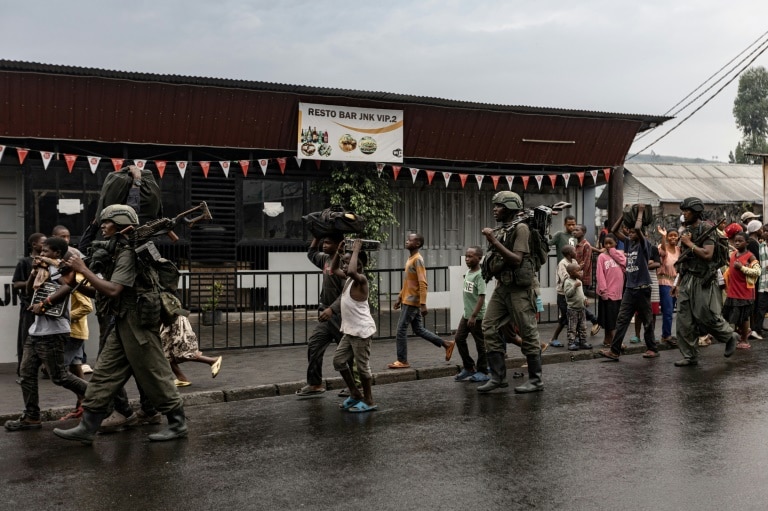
{"x":556,"y":344}
{"x":362,"y":407}
{"x":463,"y":375}
{"x":479,"y":377}
{"x":349,"y":403}
{"x":635,"y":340}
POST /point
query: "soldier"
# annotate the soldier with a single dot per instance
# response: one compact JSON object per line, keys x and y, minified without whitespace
{"x":130,"y":349}
{"x":699,"y":299}
{"x":514,"y":297}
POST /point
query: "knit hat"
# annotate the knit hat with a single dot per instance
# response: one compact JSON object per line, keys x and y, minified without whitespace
{"x":754,"y":226}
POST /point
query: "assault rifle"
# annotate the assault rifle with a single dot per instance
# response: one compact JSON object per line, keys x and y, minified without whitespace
{"x":539,"y":218}
{"x":685,"y":254}
{"x":144,"y":233}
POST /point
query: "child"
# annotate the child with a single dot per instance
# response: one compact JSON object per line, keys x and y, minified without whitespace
{"x":472,"y":320}
{"x":569,"y":253}
{"x":180,"y":345}
{"x":610,"y":285}
{"x":741,"y":276}
{"x":584,"y":258}
{"x":413,"y":300}
{"x":654,"y":263}
{"x":357,"y":327}
{"x":577,"y":303}
{"x":666,"y":274}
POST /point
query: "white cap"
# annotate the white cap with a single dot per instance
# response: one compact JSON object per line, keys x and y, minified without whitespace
{"x":754,"y":226}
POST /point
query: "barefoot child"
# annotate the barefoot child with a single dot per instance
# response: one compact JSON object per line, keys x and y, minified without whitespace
{"x":358,"y":327}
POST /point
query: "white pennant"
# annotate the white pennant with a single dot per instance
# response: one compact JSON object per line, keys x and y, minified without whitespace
{"x":447,"y":177}
{"x":263,"y":164}
{"x":2,"y":150}
{"x":509,"y":181}
{"x":225,"y":167}
{"x":93,"y":161}
{"x":298,"y":161}
{"x":539,"y":178}
{"x":594,"y":175}
{"x":140,"y":163}
{"x":414,"y":173}
{"x":46,"y":158}
{"x":479,"y":178}
{"x":380,"y":168}
{"x":566,"y":177}
{"x":182,"y":168}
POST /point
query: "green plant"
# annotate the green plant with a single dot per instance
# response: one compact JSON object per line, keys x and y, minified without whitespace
{"x":213,"y":300}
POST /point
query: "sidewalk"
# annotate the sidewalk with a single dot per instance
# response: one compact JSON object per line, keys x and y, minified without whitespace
{"x":268,"y":372}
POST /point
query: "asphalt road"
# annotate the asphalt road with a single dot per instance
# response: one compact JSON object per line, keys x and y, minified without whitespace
{"x":637,"y":434}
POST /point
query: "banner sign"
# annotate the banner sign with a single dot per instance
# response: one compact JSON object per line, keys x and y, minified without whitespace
{"x":330,"y":132}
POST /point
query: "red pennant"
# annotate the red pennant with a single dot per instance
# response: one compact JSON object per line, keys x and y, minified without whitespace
{"x":396,"y":171}
{"x":281,"y":164}
{"x":244,"y":164}
{"x":430,"y":175}
{"x":160,"y":164}
{"x":70,"y":159}
{"x":463,"y":178}
{"x":553,"y":179}
{"x":117,"y":163}
{"x":525,"y":182}
{"x":581,"y":178}
{"x":206,"y":165}
{"x":495,"y":180}
{"x":607,"y":174}
{"x":22,"y":154}
{"x":318,"y":163}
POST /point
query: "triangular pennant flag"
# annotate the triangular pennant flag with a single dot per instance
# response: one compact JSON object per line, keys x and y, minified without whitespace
{"x":479,"y":178}
{"x":463,"y":179}
{"x":281,"y":163}
{"x":244,"y":164}
{"x":594,"y":175}
{"x":553,"y":179}
{"x":414,"y":173}
{"x":160,"y":164}
{"x":447,"y":177}
{"x":606,"y":172}
{"x":206,"y":165}
{"x":22,"y":154}
{"x":539,"y":179}
{"x":495,"y":180}
{"x":140,"y":163}
{"x":93,"y":161}
{"x":182,"y":168}
{"x":70,"y":159}
{"x":318,"y":163}
{"x":566,"y":177}
{"x":581,"y":178}
{"x":298,"y":161}
{"x":430,"y":175}
{"x":225,"y":167}
{"x":263,"y":164}
{"x":117,"y":163}
{"x":396,"y":171}
{"x":509,"y":181}
{"x":525,"y":181}
{"x":47,"y":156}
{"x":2,"y":150}
{"x":379,"y":168}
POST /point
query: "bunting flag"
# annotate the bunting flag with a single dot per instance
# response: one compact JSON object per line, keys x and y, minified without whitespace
{"x":539,"y":178}
{"x":525,"y":181}
{"x":47,"y":156}
{"x":447,"y":177}
{"x":606,"y":172}
{"x":379,"y":168}
{"x":2,"y":150}
{"x":117,"y":163}
{"x":140,"y":163}
{"x":318,"y":163}
{"x":495,"y":180}
{"x":594,"y":175}
{"x":160,"y":164}
{"x":430,"y":175}
{"x":396,"y":171}
{"x":553,"y":179}
{"x":206,"y":165}
{"x":509,"y":181}
{"x":225,"y":167}
{"x":479,"y":178}
{"x":281,"y":163}
{"x":414,"y":173}
{"x":263,"y":164}
{"x":566,"y":177}
{"x":70,"y":159}
{"x":463,"y":178}
{"x":22,"y":154}
{"x":93,"y":161}
{"x":581,"y":178}
{"x":182,"y":168}
{"x":244,"y":164}
{"x":298,"y":161}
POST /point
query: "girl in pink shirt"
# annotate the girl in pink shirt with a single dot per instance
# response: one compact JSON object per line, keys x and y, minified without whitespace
{"x":666,"y":273}
{"x":611,"y":264}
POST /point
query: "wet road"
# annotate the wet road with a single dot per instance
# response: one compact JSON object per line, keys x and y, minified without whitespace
{"x":637,"y":434}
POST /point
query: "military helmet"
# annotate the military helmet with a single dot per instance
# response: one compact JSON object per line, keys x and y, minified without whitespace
{"x":510,"y":200}
{"x":120,"y":214}
{"x":692,"y":203}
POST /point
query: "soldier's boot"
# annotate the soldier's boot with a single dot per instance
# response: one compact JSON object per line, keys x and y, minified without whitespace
{"x":85,"y":431}
{"x":498,"y":365}
{"x":177,"y":427}
{"x":534,"y":383}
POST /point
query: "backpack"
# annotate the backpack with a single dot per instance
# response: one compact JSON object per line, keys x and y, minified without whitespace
{"x":538,"y":220}
{"x":115,"y":191}
{"x":159,"y":278}
{"x":333,"y":220}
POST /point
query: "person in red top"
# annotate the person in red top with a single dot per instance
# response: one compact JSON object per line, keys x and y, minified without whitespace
{"x":741,"y":277}
{"x":584,"y":258}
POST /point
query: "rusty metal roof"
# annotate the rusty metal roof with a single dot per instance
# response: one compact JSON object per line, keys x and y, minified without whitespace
{"x":74,"y":103}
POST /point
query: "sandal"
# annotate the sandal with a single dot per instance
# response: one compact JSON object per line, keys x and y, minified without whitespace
{"x":361,"y":407}
{"x":743,"y":346}
{"x":349,"y":403}
{"x":216,"y":367}
{"x":399,"y":365}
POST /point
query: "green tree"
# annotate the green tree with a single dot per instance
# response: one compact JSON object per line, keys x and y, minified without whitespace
{"x":750,"y":109}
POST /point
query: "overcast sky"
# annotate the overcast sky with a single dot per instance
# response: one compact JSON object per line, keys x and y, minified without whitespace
{"x":603,"y":55}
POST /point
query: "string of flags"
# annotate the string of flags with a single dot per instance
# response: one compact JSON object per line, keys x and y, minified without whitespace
{"x":226,"y":165}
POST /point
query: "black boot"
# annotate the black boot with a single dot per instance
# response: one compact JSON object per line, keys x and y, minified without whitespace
{"x":534,"y":375}
{"x":177,"y":427}
{"x":85,"y":431}
{"x":498,"y":365}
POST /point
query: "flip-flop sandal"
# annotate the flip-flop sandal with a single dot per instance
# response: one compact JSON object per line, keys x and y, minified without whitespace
{"x":307,"y":391}
{"x":349,"y":403}
{"x":362,"y":407}
{"x":556,"y":344}
{"x":216,"y":367}
{"x":399,"y":365}
{"x":182,"y":383}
